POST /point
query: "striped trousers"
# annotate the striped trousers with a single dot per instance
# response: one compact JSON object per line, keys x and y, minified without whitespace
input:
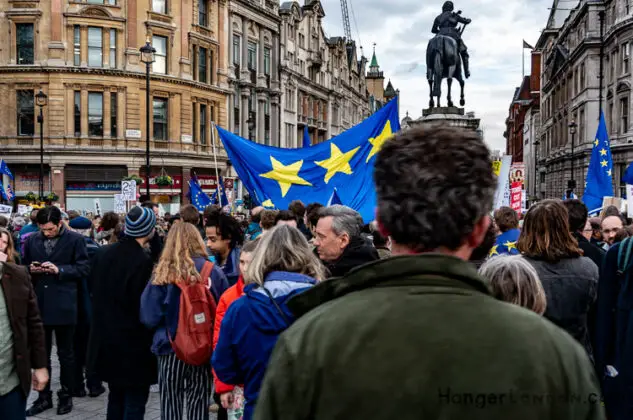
{"x":180,"y":383}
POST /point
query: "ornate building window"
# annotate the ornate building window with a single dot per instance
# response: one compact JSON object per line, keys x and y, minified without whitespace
{"x":267,"y":61}
{"x":252,"y":56}
{"x":95,"y":114}
{"x":160,"y":44}
{"x":624,"y":115}
{"x":160,"y":124}
{"x":626,"y":67}
{"x":113,"y":48}
{"x":95,"y":47}
{"x":202,"y":65}
{"x":159,"y":6}
{"x":203,"y":124}
{"x":237,"y":41}
{"x":26,"y":112}
{"x":76,"y":45}
{"x":77,"y":113}
{"x":113,"y":114}
{"x":24,"y":43}
{"x":203,"y":13}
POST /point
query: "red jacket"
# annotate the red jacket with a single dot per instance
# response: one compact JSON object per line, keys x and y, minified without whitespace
{"x":231,"y":294}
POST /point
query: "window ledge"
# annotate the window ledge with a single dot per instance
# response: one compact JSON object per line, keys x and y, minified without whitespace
{"x":159,"y":17}
{"x":85,"y":3}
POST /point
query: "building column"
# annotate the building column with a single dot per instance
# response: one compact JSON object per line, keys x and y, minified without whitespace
{"x":274,"y":62}
{"x":83,"y":31}
{"x":121,"y":121}
{"x":244,"y":111}
{"x":58,"y":184}
{"x":194,"y":63}
{"x":186,"y":177}
{"x":230,"y":114}
{"x":260,"y":53}
{"x":221,"y":70}
{"x":55,"y":45}
{"x":84,"y":113}
{"x":244,"y":65}
{"x":196,"y":129}
{"x":261,"y":121}
{"x":275,"y":130}
{"x":105,"y":47}
{"x":106,"y":114}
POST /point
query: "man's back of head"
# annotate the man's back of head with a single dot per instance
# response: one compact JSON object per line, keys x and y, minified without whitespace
{"x":578,"y":213}
{"x":434,"y":186}
{"x":190,"y":214}
{"x":506,"y":219}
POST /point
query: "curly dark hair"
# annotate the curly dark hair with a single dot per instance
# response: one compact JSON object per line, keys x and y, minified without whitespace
{"x":267,"y":219}
{"x":285,"y":215}
{"x":110,"y":220}
{"x":228,"y":228}
{"x":298,"y":208}
{"x":578,"y":214}
{"x":433,"y":185}
{"x":506,"y":219}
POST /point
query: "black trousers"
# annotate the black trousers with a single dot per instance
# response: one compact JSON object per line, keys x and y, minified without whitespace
{"x":64,"y":338}
{"x":82,"y":332}
{"x":127,"y":403}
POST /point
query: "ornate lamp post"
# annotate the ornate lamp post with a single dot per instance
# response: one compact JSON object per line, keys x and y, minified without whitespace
{"x":536,"y":144}
{"x":571,"y":185}
{"x":41,"y":100}
{"x":147,"y":57}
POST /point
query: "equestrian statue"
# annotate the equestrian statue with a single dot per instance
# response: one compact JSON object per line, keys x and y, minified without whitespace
{"x":446,"y":54}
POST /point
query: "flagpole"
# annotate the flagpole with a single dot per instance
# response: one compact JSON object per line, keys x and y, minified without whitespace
{"x":215,"y":160}
{"x":522,"y":61}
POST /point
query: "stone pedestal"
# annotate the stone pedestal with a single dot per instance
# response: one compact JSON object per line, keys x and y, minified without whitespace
{"x":453,"y":116}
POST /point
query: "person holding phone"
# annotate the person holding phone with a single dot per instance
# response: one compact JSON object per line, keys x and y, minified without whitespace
{"x":22,"y":344}
{"x":58,"y":260}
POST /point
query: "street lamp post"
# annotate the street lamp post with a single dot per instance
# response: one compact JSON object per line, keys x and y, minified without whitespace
{"x":571,"y":185}
{"x":147,"y":57}
{"x":536,"y":181}
{"x":41,"y":100}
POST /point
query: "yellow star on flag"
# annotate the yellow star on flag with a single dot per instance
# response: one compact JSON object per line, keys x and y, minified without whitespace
{"x":603,"y":152}
{"x":285,"y":175}
{"x":510,"y":245}
{"x":596,"y":143}
{"x":268,"y":204}
{"x":604,"y":163}
{"x":377,"y":142}
{"x":338,"y":162}
{"x":609,"y":172}
{"x":494,"y":251}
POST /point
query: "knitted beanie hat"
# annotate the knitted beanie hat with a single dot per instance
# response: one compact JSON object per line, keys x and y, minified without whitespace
{"x":139,"y":222}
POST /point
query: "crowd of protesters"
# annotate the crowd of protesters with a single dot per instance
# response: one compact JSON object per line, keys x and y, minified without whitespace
{"x":309,"y":312}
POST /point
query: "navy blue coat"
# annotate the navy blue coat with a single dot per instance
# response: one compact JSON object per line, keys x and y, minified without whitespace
{"x":57,"y":293}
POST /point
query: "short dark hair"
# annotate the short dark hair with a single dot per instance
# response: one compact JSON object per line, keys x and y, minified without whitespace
{"x":4,"y":222}
{"x":267,"y":219}
{"x":190,"y":214}
{"x":298,"y":208}
{"x":228,"y":228}
{"x":50,"y":214}
{"x":312,"y":211}
{"x":33,"y":216}
{"x":285,"y":215}
{"x":210,"y":211}
{"x":506,"y":219}
{"x":578,"y":213}
{"x":110,"y":220}
{"x":483,"y":250}
{"x":433,"y":184}
{"x":149,"y":205}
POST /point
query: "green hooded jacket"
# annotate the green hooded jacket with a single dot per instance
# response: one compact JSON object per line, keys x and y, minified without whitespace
{"x":419,"y":337}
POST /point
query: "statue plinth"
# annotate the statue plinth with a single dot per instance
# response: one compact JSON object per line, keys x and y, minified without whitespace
{"x":451,"y":115}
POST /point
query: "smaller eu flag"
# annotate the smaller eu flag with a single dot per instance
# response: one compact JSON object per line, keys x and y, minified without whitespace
{"x":4,"y":169}
{"x":599,"y":181}
{"x":628,"y":175}
{"x":335,"y":199}
{"x":198,"y":198}
{"x":214,"y":197}
{"x":306,"y":137}
{"x":3,"y":196}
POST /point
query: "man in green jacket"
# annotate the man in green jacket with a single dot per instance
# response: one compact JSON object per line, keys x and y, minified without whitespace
{"x":418,"y":336}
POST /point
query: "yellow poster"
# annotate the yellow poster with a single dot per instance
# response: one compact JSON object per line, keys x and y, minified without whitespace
{"x":496,"y":167}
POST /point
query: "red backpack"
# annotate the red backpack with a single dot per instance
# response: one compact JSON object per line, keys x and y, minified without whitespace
{"x":194,"y":336}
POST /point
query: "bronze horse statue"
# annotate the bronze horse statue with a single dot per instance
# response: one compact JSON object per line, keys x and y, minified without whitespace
{"x":443,"y":61}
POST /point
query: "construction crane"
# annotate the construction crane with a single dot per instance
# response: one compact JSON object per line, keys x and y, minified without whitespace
{"x":346,"y":25}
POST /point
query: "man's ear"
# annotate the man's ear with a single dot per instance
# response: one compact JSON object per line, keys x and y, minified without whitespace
{"x":479,"y":232}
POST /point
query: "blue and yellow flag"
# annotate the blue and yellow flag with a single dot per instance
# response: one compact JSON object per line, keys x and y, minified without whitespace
{"x":274,"y":176}
{"x":599,"y":183}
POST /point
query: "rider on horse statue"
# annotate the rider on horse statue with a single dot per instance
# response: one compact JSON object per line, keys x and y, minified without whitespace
{"x":446,"y":24}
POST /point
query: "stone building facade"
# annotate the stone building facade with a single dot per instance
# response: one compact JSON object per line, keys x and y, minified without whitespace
{"x":323,"y":80}
{"x":570,"y":48}
{"x":84,"y":55}
{"x":253,"y":70}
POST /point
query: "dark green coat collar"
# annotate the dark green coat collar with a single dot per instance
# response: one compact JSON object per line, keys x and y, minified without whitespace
{"x":412,"y":270}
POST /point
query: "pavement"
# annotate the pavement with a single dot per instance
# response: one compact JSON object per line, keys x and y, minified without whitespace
{"x":92,"y":408}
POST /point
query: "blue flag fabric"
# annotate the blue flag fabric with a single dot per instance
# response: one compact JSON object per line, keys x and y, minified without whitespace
{"x":335,"y":199}
{"x":3,"y":196}
{"x":275,"y":176}
{"x":306,"y":137}
{"x":599,"y":175}
{"x":214,"y":197}
{"x":198,"y":197}
{"x":4,"y":169}
{"x":628,"y":175}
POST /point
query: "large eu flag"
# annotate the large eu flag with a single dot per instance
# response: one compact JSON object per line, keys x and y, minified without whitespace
{"x":599,"y":175}
{"x":274,"y":176}
{"x":198,"y":197}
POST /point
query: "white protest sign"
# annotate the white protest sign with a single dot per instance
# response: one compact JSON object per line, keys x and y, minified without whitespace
{"x":97,"y":207}
{"x":23,"y":209}
{"x":119,"y":204}
{"x":128,"y":190}
{"x":629,"y":198}
{"x":502,"y":195}
{"x":5,"y":210}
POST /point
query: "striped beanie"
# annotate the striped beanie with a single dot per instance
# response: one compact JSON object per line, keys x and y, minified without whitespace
{"x":139,"y":222}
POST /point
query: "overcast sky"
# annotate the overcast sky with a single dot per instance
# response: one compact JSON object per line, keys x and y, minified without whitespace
{"x":401,"y":30}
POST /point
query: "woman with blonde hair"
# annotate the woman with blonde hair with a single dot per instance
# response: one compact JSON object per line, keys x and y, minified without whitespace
{"x":512,"y":279}
{"x":184,"y":259}
{"x":283,"y":266}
